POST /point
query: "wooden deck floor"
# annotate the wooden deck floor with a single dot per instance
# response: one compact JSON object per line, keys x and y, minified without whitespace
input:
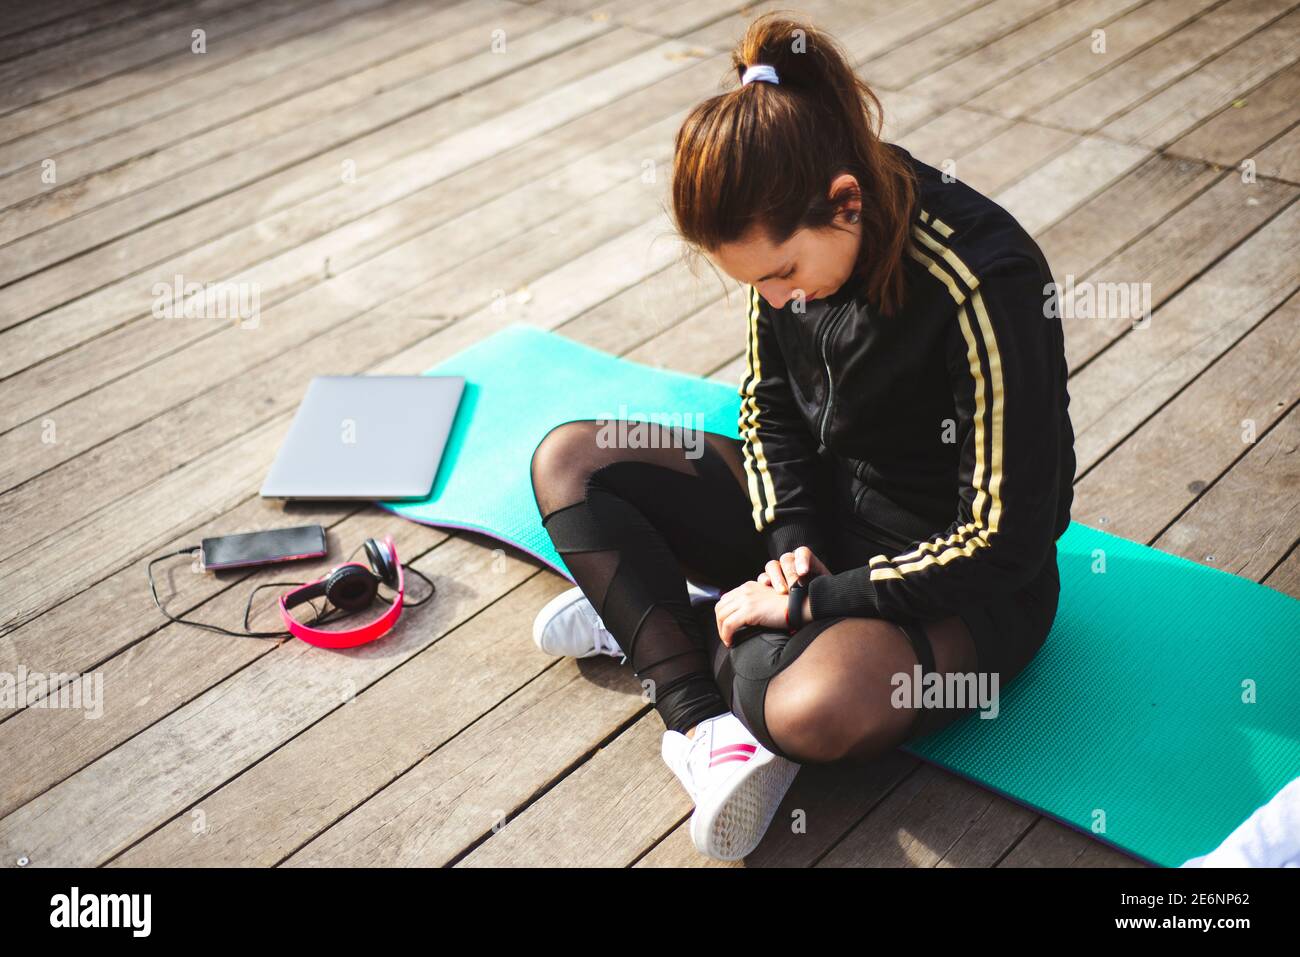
{"x":394,"y":189}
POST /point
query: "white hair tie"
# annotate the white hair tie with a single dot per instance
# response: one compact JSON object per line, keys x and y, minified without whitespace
{"x":760,"y":71}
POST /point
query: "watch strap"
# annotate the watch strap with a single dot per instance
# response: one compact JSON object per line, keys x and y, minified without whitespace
{"x":794,"y":609}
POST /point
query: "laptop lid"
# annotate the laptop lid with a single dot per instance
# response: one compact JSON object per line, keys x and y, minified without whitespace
{"x":366,"y":437}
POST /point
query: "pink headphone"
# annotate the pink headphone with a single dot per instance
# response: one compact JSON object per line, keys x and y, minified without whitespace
{"x":351,"y":587}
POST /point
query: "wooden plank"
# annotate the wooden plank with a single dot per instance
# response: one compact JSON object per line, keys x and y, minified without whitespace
{"x":160,"y":673}
{"x":553,"y":298}
{"x":954,"y":39}
{"x":665,"y":18}
{"x":641,"y":313}
{"x":932,"y":819}
{"x":247,"y":58}
{"x":103,"y":809}
{"x":985,"y":66}
{"x":1247,"y":522}
{"x":601,"y":815}
{"x":1281,"y":159}
{"x":1286,"y":577}
{"x":1141,"y":201}
{"x":115,"y":89}
{"x":1128,"y":84}
{"x":1162,"y":119}
{"x":1076,"y":64}
{"x":449,"y":140}
{"x":1243,"y":128}
{"x":836,"y":16}
{"x":1051,"y":844}
{"x":481,"y":719}
{"x":1216,"y":440}
{"x":898,"y":26}
{"x":1132,"y":379}
{"x":952,"y":133}
{"x":74,"y":635}
{"x":118,"y":535}
{"x":143,"y":156}
{"x":1170,"y":257}
{"x":401,"y":267}
{"x":60,"y":31}
{"x":459,"y":62}
{"x":1013,"y":154}
{"x":1068,"y":180}
{"x":34,"y":16}
{"x":131,"y":45}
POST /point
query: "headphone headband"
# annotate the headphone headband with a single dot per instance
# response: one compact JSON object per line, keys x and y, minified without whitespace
{"x":385,"y":568}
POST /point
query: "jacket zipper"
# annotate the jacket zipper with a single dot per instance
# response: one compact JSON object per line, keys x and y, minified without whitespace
{"x":830,"y":382}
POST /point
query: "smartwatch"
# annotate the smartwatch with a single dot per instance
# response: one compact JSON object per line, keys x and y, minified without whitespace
{"x":794,"y":608}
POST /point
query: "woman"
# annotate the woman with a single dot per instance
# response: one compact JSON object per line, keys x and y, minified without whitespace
{"x":904,"y":467}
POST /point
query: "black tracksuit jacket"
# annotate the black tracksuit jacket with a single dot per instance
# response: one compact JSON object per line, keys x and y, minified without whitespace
{"x":946,"y":426}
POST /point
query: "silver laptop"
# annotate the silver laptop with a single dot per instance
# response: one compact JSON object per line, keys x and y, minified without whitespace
{"x":366,"y":437}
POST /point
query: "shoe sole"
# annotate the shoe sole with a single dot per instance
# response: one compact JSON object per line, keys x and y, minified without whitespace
{"x":735,"y":821}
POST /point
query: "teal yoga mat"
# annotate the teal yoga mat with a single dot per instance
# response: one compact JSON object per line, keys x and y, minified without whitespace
{"x":1160,"y":713}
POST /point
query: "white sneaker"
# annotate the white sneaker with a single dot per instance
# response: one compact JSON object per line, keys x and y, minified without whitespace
{"x":735,"y":782}
{"x":568,"y":625}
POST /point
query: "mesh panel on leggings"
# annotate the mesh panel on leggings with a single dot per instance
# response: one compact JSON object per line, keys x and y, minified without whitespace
{"x":593,"y":502}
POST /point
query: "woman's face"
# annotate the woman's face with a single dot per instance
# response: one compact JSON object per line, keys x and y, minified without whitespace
{"x":813,"y":263}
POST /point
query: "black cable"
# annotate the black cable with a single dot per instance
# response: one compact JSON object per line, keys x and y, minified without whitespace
{"x":153,"y":590}
{"x":433,"y":589}
{"x":327,"y":616}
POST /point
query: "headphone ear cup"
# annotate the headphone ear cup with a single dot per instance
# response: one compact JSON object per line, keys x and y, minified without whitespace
{"x":381,"y":561}
{"x":351,"y":588}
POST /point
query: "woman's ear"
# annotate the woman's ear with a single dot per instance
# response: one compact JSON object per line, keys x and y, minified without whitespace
{"x":845,"y":192}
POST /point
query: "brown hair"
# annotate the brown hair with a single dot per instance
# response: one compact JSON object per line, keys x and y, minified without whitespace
{"x":763,"y":155}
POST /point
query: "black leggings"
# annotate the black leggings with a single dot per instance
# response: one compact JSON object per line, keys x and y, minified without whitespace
{"x":634,"y":523}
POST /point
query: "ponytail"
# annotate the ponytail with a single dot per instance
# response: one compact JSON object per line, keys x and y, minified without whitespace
{"x":764,"y":155}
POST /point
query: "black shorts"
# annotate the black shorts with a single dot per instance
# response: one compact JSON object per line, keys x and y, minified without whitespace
{"x":1007,"y":631}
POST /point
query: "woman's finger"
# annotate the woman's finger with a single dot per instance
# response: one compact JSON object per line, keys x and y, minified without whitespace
{"x":730,"y":625}
{"x":776,"y":574}
{"x":737,"y":619}
{"x":802,"y":560}
{"x":788,"y":567}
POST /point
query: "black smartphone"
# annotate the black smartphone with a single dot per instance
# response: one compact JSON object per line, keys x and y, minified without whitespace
{"x":262,"y":548}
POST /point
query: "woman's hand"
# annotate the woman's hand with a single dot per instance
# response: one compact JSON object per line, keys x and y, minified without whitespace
{"x":800,"y":563}
{"x":750,"y":604}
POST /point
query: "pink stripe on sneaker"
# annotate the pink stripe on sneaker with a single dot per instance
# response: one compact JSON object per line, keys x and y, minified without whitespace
{"x":747,"y":748}
{"x":729,"y":757}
